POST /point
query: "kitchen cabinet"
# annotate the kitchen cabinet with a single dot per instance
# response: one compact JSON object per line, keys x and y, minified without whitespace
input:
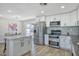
{"x":68,"y":19}
{"x":52,"y":18}
{"x":65,"y":20}
{"x":48,"y":19}
{"x":29,"y":44}
{"x":73,"y":17}
{"x":18,"y":45}
{"x":62,"y":42}
{"x":21,"y":46}
{"x":78,"y":14}
{"x":55,"y":18}
{"x":65,"y":42}
{"x":68,"y":43}
{"x":78,"y":17}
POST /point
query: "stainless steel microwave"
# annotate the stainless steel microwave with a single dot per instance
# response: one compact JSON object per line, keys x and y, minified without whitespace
{"x":55,"y":23}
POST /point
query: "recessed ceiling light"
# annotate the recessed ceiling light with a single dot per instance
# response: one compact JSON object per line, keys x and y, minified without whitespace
{"x":9,"y":11}
{"x":42,"y":12}
{"x":62,"y":7}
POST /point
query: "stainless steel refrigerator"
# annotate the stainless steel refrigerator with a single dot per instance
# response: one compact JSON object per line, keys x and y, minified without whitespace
{"x":39,"y":32}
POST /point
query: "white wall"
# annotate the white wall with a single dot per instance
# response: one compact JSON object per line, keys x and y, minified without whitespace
{"x":4,"y":25}
{"x":29,"y":21}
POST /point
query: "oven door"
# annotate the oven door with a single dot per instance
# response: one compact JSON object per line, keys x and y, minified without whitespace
{"x":54,"y":44}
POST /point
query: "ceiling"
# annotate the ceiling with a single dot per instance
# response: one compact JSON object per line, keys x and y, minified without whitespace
{"x":30,"y":10}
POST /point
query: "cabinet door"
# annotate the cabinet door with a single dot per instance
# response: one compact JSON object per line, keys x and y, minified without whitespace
{"x":48,"y":19}
{"x":63,"y":20}
{"x":65,"y":42}
{"x":67,"y":20}
{"x":68,"y":43}
{"x":73,"y":18}
{"x":52,"y":18}
{"x":62,"y":42}
{"x":29,"y":44}
{"x":16,"y":47}
{"x":78,"y":14}
{"x":55,"y":18}
{"x":78,"y":17}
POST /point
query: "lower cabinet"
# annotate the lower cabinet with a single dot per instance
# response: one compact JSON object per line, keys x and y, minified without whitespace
{"x":62,"y":42}
{"x":18,"y":46}
{"x":65,"y":42}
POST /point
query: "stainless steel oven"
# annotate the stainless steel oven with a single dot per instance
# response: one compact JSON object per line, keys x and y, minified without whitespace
{"x":54,"y":44}
{"x":55,"y":32}
{"x":54,"y":38}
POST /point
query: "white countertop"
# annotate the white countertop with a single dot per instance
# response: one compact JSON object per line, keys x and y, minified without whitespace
{"x":15,"y":36}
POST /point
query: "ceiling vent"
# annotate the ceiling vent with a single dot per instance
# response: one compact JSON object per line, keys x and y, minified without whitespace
{"x":43,"y":4}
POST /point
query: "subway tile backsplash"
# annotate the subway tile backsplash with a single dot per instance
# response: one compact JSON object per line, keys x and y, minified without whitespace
{"x":72,"y":30}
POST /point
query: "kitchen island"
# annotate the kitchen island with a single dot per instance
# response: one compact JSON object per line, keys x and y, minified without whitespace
{"x":18,"y":45}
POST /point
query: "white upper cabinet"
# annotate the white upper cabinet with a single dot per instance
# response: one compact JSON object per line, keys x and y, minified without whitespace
{"x":52,"y":18}
{"x":63,"y":20}
{"x":78,"y":17}
{"x":67,"y":20}
{"x":78,"y":14}
{"x":73,"y":17}
{"x":48,"y":19}
{"x":55,"y":18}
